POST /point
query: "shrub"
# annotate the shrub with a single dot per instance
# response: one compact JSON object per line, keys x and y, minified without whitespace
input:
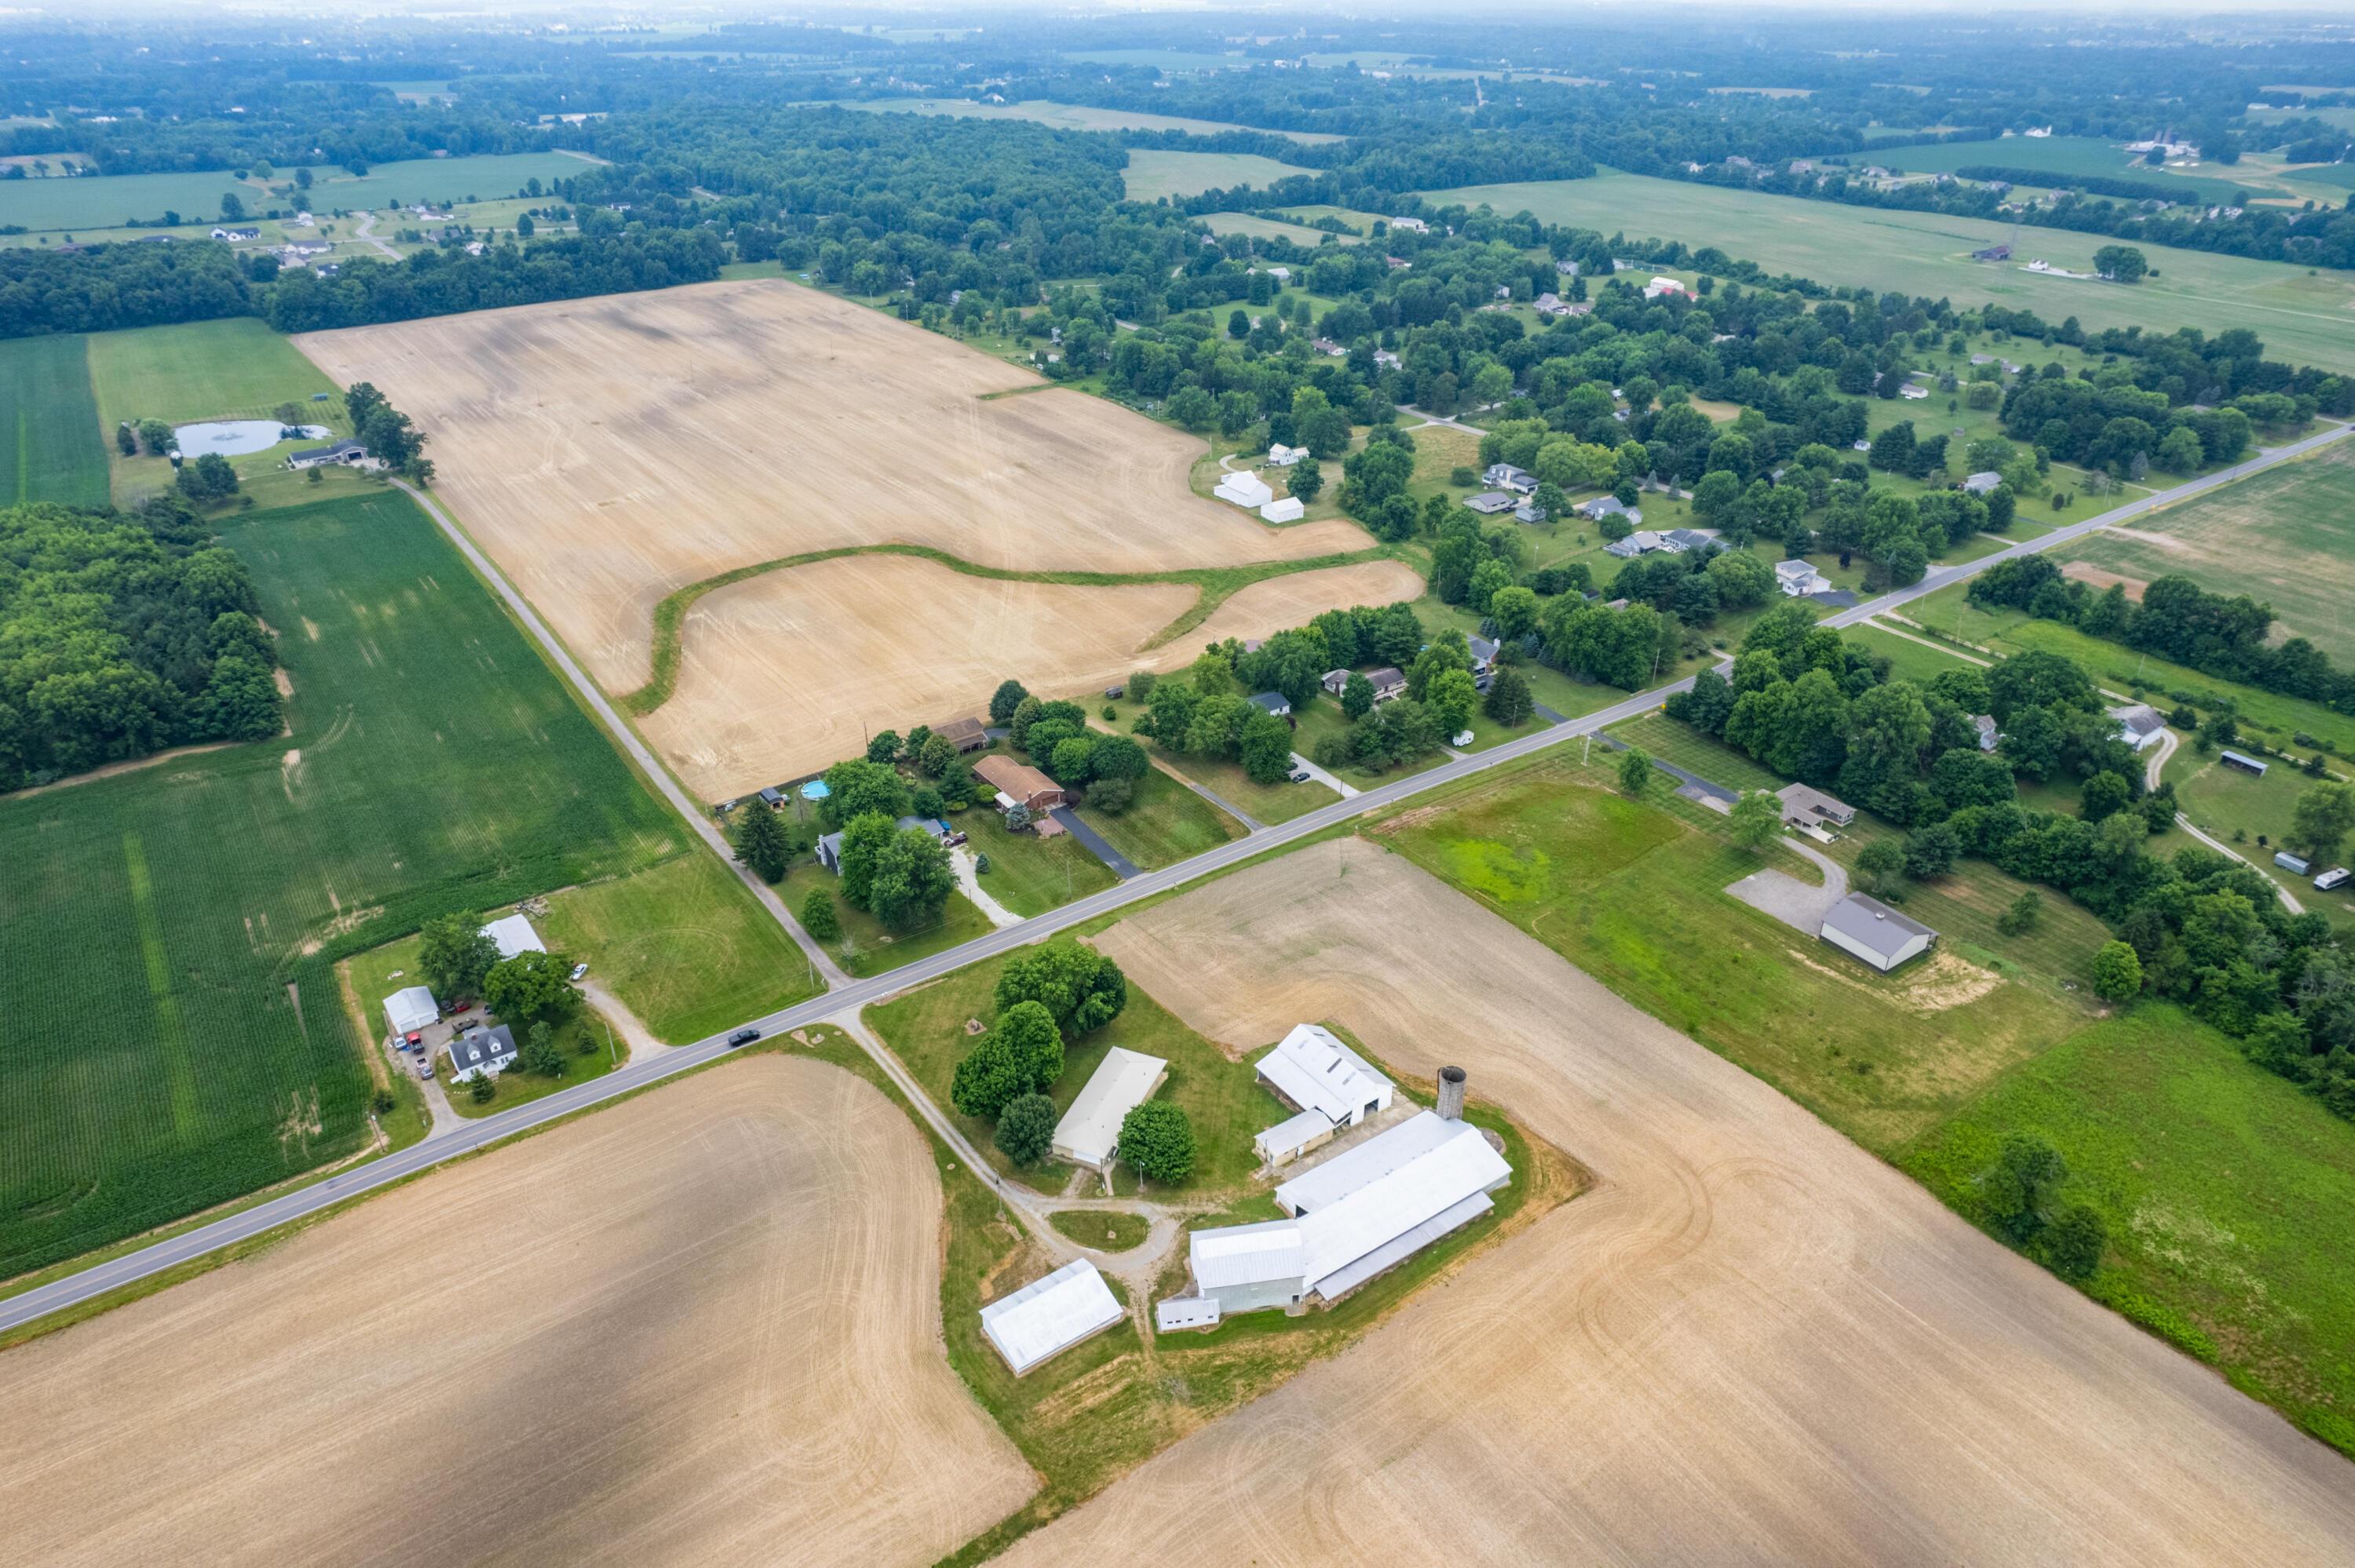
{"x":1026,"y":1128}
{"x":1157,"y":1141}
{"x":818,"y":918}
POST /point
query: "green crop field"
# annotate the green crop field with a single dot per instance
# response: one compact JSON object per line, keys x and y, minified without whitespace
{"x":1071,"y":116}
{"x":234,"y":369}
{"x":109,"y":201}
{"x":2286,"y":536}
{"x":49,"y":444}
{"x":2065,"y":158}
{"x":170,"y":1032}
{"x":2216,"y":1178}
{"x":2303,"y":317}
{"x":1152,"y":176}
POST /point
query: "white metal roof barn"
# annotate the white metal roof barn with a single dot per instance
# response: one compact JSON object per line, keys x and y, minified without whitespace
{"x":513,"y":934}
{"x":1048,"y":1316}
{"x":1313,"y":1069}
{"x":1089,"y":1133}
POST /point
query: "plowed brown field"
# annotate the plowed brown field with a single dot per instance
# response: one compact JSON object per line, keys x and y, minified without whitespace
{"x":608,"y":451}
{"x":1753,"y":1343}
{"x":699,"y":1328}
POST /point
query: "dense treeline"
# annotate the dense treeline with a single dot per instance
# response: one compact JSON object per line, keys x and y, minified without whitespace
{"x":104,"y":287}
{"x":125,"y":633}
{"x":2226,"y":636}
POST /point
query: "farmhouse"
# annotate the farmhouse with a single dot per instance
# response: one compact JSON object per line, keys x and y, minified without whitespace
{"x":513,"y":935}
{"x":1244,"y":490}
{"x":1981,"y":482}
{"x":410,"y":1008}
{"x":964,"y":734}
{"x":1805,"y":806}
{"x":1288,"y":510}
{"x":1874,"y":932}
{"x":350,"y":454}
{"x":1281,"y":456}
{"x":2139,"y":724}
{"x":1360,"y":1213}
{"x":479,"y":1051}
{"x":1275,"y":703}
{"x":1798,"y":580}
{"x":1505,"y":476}
{"x":1604,"y":506}
{"x":1048,"y":1316}
{"x":1089,"y":1133}
{"x":1488,"y":503}
{"x":1311,"y":1069}
{"x":1019,"y":783}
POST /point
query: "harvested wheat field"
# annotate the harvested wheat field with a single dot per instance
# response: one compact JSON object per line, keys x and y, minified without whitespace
{"x":702,"y":1326}
{"x":608,"y":451}
{"x":784,"y":673}
{"x":1751,"y":1342}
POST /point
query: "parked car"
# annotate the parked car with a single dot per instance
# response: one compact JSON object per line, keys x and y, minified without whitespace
{"x":457,"y":1008}
{"x":1115,"y":693}
{"x":415,"y":1043}
{"x":580,"y":969}
{"x":425,"y":1068}
{"x":744,"y":1037}
{"x":1298,"y":776}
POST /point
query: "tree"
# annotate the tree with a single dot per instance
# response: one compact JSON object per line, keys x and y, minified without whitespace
{"x":2121,"y":263}
{"x":818,"y":918}
{"x":858,"y":852}
{"x":1357,"y":696}
{"x":1509,"y":702}
{"x":1027,"y":1030}
{"x":1636,"y":774}
{"x":1306,"y":481}
{"x":989,"y":1078}
{"x":1757,"y":819}
{"x":884,"y":746}
{"x":912,"y":879}
{"x":1008,"y":696}
{"x":2104,"y":795}
{"x":455,"y":953}
{"x":2026,"y":1174}
{"x":1515,"y":612}
{"x":761,"y":842}
{"x":2073,"y":1245}
{"x":540,"y":1056}
{"x":859,"y":788}
{"x":1157,"y":1141}
{"x":531,"y":985}
{"x":2023,"y":914}
{"x":1931,"y":850}
{"x":1264,"y":748}
{"x":1879,"y":864}
{"x":2117,"y":972}
{"x":208,"y":478}
{"x":1026,"y":1128}
{"x":231,"y":207}
{"x":1080,"y":989}
{"x":2324,"y":815}
{"x":1450,"y":699}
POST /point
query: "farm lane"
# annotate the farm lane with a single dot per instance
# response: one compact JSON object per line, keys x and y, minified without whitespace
{"x":129,"y":1267}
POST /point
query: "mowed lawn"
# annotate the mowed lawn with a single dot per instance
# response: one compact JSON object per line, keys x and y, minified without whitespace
{"x":2302,"y":316}
{"x":1153,"y":175}
{"x":2285,"y":537}
{"x":109,"y":201}
{"x":1030,"y":875}
{"x":1163,"y":824}
{"x":1635,"y":896}
{"x":866,"y":945}
{"x":233,"y":369}
{"x":173,"y":1037}
{"x":2220,"y":1183}
{"x":49,"y":443}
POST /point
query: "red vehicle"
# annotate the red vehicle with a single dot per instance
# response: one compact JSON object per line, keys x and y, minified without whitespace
{"x":415,"y":1042}
{"x":457,"y":1008}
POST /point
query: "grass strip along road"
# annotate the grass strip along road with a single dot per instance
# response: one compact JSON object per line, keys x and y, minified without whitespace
{"x":845,"y":996}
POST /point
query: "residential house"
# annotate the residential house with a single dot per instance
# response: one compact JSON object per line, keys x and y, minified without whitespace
{"x":348,"y":454}
{"x":1642,"y":542}
{"x":1505,"y":476}
{"x":1410,"y":226}
{"x":1566,"y":269}
{"x":829,"y":852}
{"x":1805,"y":806}
{"x":1659,"y":287}
{"x":2139,"y":724}
{"x":1913,"y":390}
{"x":1019,"y":783}
{"x":1488,"y":503}
{"x":1676,"y":541}
{"x":1798,"y":579}
{"x":1602,"y":506}
{"x":1990,"y":734}
{"x":1275,"y":703}
{"x":1385,"y":360}
{"x":1484,"y":654}
{"x":1982,"y":482}
{"x":481,"y":1051}
{"x":1281,"y":456}
{"x":1328,"y":348}
{"x":1872,"y":931}
{"x":235,"y":235}
{"x":1388,"y":682}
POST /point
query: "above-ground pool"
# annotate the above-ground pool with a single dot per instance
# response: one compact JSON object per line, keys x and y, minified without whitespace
{"x":815,"y":789}
{"x":236,"y":437}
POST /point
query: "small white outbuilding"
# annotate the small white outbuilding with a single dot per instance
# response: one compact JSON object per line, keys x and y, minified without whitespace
{"x":1048,"y":1316}
{"x":410,"y":1008}
{"x":1089,"y":1133}
{"x":1287,"y":510}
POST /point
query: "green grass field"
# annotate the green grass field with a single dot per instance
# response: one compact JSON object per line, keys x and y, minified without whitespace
{"x":2218,"y":1180}
{"x":1071,"y":116}
{"x":234,"y":368}
{"x":1163,"y":824}
{"x":682,"y":945}
{"x":1027,"y":873}
{"x":1635,"y":896}
{"x":1153,"y":175}
{"x":49,"y":444}
{"x":1269,"y":228}
{"x":2066,"y":158}
{"x":866,"y":945}
{"x":1267,"y":803}
{"x":1224,"y":1098}
{"x":2303,"y":317}
{"x":107,"y":201}
{"x":1908,"y":659}
{"x":2286,"y":536}
{"x":173,"y":1035}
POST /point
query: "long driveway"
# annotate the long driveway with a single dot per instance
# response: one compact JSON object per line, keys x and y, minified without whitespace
{"x":848,"y":995}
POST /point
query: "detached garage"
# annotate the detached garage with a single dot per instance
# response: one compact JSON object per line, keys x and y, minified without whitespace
{"x":1874,"y":932}
{"x":411,"y":1009}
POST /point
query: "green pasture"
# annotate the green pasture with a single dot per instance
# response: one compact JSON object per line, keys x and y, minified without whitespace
{"x":110,"y":201}
{"x":232,"y":368}
{"x":170,"y":1031}
{"x":2066,"y":158}
{"x":2305,"y":317}
{"x":1071,"y":116}
{"x":1243,"y":223}
{"x":1153,"y":175}
{"x":50,"y":448}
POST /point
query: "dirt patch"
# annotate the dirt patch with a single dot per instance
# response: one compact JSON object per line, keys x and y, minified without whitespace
{"x":2095,"y":577}
{"x":2160,"y":541}
{"x":133,"y":765}
{"x":702,"y":1326}
{"x":284,"y":681}
{"x":1297,"y":598}
{"x":1720,"y":413}
{"x":1787,"y":1343}
{"x":609,"y":452}
{"x":1948,"y":980}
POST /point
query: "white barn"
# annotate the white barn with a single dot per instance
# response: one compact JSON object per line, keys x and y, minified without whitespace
{"x":410,"y":1008}
{"x":1048,"y":1316}
{"x":1312,"y":1070}
{"x":1089,"y":1133}
{"x":1293,"y":1136}
{"x":1244,"y":490}
{"x":513,"y":935}
{"x":1287,"y":510}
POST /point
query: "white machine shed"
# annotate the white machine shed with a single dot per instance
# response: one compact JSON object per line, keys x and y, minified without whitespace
{"x":1048,"y":1316}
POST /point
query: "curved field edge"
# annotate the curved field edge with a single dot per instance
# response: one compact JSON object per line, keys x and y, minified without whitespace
{"x":1213,"y":585}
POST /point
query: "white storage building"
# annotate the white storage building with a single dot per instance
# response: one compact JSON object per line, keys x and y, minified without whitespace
{"x":410,"y":1008}
{"x":1089,"y":1133}
{"x":1048,"y":1316}
{"x":1289,"y":1139}
{"x":1874,"y":932}
{"x":513,"y":935}
{"x":1314,"y":1071}
{"x":1244,"y":490}
{"x":1287,"y":510}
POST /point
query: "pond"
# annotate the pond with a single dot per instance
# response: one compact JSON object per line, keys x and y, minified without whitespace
{"x":237,"y":438}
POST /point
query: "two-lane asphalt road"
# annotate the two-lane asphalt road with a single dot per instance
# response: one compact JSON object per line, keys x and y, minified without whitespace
{"x":228,"y":1231}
